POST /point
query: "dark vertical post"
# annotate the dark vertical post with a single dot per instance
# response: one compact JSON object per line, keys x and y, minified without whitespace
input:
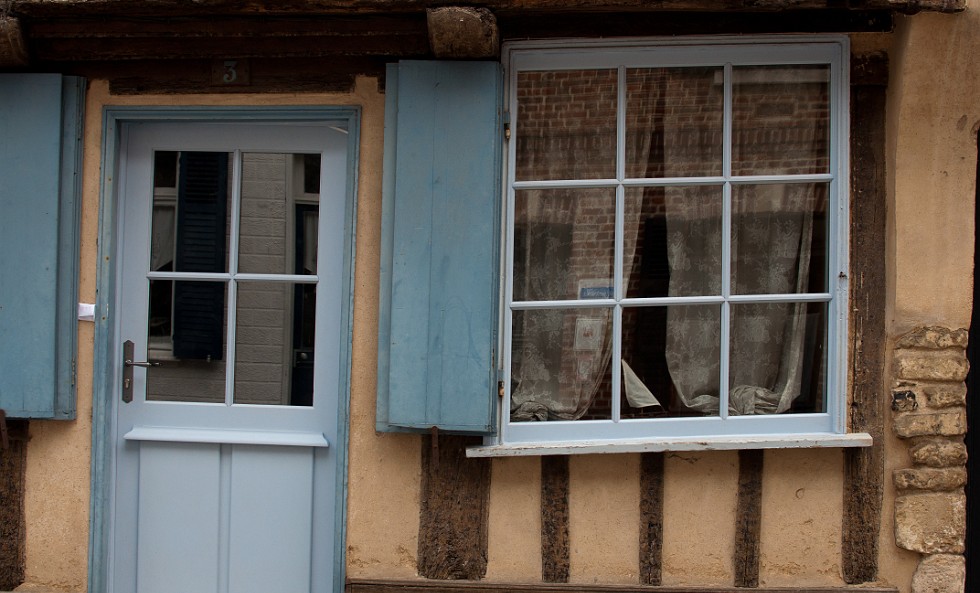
{"x":455,"y":505}
{"x":651,"y":518}
{"x":864,"y":467}
{"x":554,"y":519}
{"x":748,"y":518}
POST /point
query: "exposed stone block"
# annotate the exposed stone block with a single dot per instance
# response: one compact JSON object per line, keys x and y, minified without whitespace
{"x":934,"y":338}
{"x":946,"y":423}
{"x":931,"y":522}
{"x":946,"y":396}
{"x":934,"y":479}
{"x":941,"y":573}
{"x":938,"y":453}
{"x":943,"y":365}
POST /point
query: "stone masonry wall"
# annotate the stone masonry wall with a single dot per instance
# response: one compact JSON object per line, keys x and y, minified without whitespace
{"x":929,"y":404}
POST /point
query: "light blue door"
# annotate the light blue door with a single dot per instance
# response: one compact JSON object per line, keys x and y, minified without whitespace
{"x":230,"y":353}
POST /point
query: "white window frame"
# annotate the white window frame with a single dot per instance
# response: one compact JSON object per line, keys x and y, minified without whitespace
{"x":826,"y":429}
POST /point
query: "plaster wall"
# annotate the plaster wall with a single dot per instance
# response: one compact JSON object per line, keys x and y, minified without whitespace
{"x":934,"y":116}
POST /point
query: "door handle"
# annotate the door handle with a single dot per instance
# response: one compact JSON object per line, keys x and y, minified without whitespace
{"x":128,"y":364}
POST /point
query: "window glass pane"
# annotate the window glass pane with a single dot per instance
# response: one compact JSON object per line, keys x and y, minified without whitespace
{"x":674,"y":122}
{"x":560,"y":365}
{"x":672,"y":241}
{"x":779,"y":238}
{"x":566,"y":125}
{"x":778,"y":358}
{"x":274,"y":343}
{"x":190,"y":221}
{"x":671,"y":361}
{"x":278,"y":222}
{"x":186,"y":334}
{"x":564,"y":243}
{"x":781,"y":120}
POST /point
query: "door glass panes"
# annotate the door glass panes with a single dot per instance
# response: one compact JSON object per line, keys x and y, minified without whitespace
{"x":271,"y":280}
{"x":187,"y":340}
{"x":568,"y":124}
{"x":274,"y":193}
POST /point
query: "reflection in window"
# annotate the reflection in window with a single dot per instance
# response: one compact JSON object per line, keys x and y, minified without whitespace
{"x":690,"y":230}
{"x":189,"y":326}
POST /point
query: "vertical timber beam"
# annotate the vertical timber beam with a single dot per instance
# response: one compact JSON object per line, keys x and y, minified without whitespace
{"x":748,"y":518}
{"x":651,"y":518}
{"x":455,"y":505}
{"x":13,"y":462}
{"x":554,"y":519}
{"x":864,"y":468}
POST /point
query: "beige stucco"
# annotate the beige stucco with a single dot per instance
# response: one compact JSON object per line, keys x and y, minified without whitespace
{"x":933,"y":117}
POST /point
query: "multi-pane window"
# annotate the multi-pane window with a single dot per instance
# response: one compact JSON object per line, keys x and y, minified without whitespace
{"x":676,"y":240}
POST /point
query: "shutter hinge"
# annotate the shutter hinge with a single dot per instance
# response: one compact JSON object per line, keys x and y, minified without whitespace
{"x":74,"y":371}
{"x":506,"y":125}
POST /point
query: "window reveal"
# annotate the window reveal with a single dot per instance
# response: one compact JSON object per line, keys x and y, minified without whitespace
{"x":684,"y":218}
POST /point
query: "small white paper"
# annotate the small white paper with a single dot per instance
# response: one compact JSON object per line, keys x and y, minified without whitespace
{"x":86,"y":312}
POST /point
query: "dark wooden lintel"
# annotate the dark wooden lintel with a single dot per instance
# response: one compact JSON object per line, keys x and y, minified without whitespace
{"x":68,"y":8}
{"x":386,"y":586}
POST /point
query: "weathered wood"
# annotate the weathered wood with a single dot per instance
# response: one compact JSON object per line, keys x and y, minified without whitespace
{"x":383,"y":586}
{"x":13,"y":463}
{"x":651,"y":518}
{"x":13,"y":48}
{"x":47,"y":8}
{"x":538,"y":25}
{"x":864,"y":468}
{"x":554,"y":519}
{"x":462,"y":32}
{"x":455,"y":503}
{"x":748,"y":518}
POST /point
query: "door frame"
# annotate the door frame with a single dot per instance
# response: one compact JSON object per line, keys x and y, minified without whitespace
{"x":103,"y":397}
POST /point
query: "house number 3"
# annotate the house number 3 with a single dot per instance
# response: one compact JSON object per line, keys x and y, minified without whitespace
{"x":230,"y":73}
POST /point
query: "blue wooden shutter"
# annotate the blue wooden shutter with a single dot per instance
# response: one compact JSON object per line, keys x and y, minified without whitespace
{"x":440,"y":229}
{"x":40,"y":171}
{"x":199,"y":307}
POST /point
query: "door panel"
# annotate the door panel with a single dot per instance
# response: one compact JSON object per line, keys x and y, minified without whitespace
{"x":225,"y":477}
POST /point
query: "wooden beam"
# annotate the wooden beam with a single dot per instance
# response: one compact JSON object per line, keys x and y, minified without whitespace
{"x":554,"y":519}
{"x":864,"y":468}
{"x":748,"y":518}
{"x":13,"y":47}
{"x":462,"y":32}
{"x":47,"y":8}
{"x":386,"y":586}
{"x":13,"y":463}
{"x":651,"y":518}
{"x":455,"y":504}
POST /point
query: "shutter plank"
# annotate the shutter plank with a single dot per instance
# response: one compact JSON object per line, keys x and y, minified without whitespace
{"x":439,"y":261}
{"x":40,"y":122}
